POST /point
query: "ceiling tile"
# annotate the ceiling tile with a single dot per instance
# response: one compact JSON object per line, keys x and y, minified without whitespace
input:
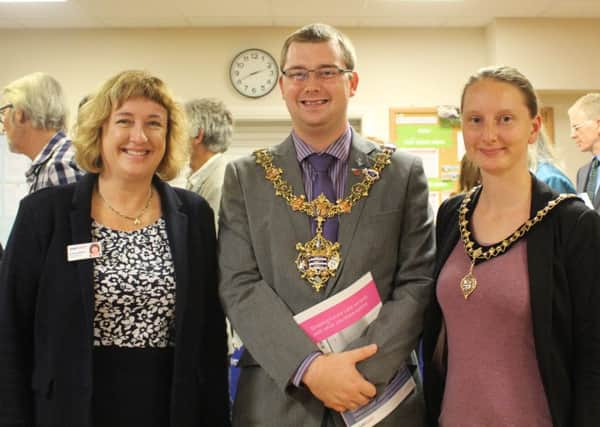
{"x":233,"y":8}
{"x":230,"y":21}
{"x":298,"y":21}
{"x":574,"y":9}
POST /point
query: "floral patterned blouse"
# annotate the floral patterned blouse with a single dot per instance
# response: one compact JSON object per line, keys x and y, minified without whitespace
{"x":134,"y":287}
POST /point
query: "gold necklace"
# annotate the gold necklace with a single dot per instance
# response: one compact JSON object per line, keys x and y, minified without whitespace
{"x":319,"y":258}
{"x":468,"y":283}
{"x":137,"y":220}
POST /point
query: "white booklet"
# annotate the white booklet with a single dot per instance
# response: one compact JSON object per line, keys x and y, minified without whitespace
{"x":340,"y":319}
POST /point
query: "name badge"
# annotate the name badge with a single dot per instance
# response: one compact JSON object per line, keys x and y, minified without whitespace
{"x":84,"y":251}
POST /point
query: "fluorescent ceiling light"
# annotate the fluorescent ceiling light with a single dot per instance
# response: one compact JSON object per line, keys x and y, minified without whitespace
{"x":422,"y":1}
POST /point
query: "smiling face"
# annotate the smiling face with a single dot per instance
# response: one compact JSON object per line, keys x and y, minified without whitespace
{"x":317,"y":105}
{"x":134,"y":140}
{"x":497,"y":126}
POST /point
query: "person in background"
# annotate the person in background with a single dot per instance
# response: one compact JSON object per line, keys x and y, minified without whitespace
{"x":386,"y":229}
{"x":135,"y":336}
{"x":544,"y":164}
{"x":210,"y":126}
{"x":584,"y":116}
{"x":34,"y":117}
{"x":512,"y":333}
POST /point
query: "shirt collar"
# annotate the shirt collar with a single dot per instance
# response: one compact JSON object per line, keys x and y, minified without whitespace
{"x":199,"y":173}
{"x":46,"y":152}
{"x":340,"y":149}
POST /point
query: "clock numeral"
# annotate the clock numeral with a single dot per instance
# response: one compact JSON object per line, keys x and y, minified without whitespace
{"x":262,"y":87}
{"x":239,"y":82}
{"x":269,"y":81}
{"x":253,"y":90}
{"x":246,"y":58}
{"x":254,"y":56}
{"x":237,"y":73}
{"x":272,"y":72}
{"x":240,"y":65}
{"x":269,"y":65}
{"x":245,"y":87}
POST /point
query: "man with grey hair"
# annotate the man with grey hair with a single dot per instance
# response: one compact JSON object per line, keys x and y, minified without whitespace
{"x":210,"y":131}
{"x":584,"y":116}
{"x":301,"y":222}
{"x":34,"y":115}
{"x":211,"y":128}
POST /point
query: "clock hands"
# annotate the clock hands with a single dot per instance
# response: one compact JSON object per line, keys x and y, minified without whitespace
{"x":253,"y":73}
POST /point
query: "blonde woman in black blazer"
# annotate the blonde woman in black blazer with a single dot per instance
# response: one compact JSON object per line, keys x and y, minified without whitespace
{"x":137,"y":335}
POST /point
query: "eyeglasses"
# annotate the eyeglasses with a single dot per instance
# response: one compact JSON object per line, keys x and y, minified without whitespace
{"x":579,"y":125}
{"x":2,"y":110}
{"x":328,"y":72}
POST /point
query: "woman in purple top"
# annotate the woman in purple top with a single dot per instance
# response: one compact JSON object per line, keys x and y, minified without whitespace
{"x":512,"y":334}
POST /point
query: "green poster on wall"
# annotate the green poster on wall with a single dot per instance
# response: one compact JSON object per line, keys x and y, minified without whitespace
{"x":423,"y":136}
{"x":437,"y":184}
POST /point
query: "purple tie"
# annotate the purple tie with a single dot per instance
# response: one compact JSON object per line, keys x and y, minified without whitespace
{"x":322,"y":184}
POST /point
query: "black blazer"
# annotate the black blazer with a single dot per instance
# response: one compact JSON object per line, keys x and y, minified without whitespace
{"x":563,"y":255}
{"x":47,"y":310}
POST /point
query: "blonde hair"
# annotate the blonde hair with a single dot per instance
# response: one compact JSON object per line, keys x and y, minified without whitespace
{"x":542,"y":152}
{"x":469,"y":176}
{"x":112,"y":95}
{"x":509,"y":75}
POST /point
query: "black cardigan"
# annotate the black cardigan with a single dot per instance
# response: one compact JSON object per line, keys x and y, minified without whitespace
{"x":563,"y":252}
{"x":47,"y":307}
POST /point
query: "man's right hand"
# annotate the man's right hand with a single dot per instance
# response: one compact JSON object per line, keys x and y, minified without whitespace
{"x":335,"y":381}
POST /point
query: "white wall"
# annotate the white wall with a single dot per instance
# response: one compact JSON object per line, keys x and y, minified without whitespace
{"x":397,"y":67}
{"x":413,"y":67}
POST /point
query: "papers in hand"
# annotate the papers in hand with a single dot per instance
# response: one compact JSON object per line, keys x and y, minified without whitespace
{"x":342,"y":318}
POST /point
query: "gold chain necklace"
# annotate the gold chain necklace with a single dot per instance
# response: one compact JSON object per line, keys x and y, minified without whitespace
{"x":137,"y":220}
{"x":319,"y":258}
{"x":468,"y":283}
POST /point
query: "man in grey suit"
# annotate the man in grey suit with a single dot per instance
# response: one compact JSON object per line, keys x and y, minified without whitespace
{"x":381,"y":221}
{"x":584,"y":116}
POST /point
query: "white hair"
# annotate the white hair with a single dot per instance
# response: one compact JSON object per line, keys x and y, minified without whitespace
{"x":40,"y":97}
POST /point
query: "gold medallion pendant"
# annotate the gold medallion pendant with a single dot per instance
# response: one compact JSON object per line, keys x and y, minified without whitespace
{"x":468,"y":283}
{"x":318,"y":259}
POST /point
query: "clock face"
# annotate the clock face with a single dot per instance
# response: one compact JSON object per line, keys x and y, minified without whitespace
{"x":253,"y":73}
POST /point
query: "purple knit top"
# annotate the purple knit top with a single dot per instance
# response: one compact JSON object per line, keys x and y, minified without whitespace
{"x":493,"y":378}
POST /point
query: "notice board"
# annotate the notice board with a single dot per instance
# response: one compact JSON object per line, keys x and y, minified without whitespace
{"x":439,"y":145}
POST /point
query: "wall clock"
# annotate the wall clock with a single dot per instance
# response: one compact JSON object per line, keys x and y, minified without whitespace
{"x":253,"y":73}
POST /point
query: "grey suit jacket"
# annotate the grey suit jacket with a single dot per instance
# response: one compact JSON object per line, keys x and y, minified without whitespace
{"x":389,"y":233}
{"x":582,"y":177}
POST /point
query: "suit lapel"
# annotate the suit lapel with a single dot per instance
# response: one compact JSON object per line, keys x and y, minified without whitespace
{"x":177,"y":231}
{"x":81,"y":227}
{"x":585,"y":174}
{"x":358,"y":159}
{"x":284,"y":157}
